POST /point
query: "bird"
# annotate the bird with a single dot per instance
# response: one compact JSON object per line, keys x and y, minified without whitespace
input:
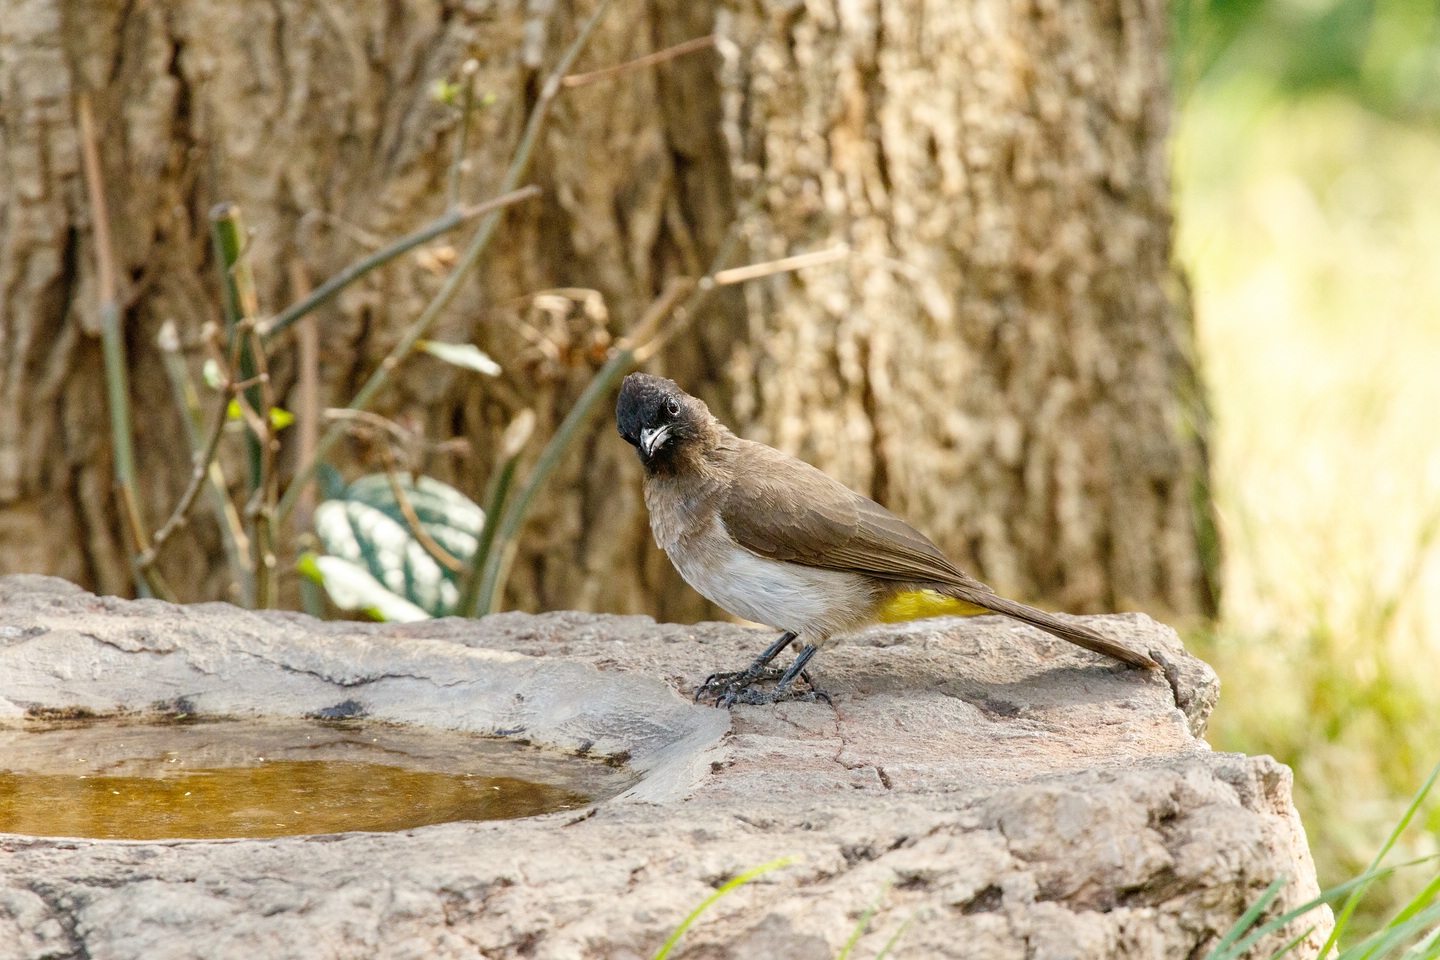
{"x":772,"y":539}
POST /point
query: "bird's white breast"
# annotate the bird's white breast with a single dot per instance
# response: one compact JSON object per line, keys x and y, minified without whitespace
{"x":809,"y":600}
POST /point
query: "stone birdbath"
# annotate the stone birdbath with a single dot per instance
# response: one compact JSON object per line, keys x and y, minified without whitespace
{"x":1004,"y":793}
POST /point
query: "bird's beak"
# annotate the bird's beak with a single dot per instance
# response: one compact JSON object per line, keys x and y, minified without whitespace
{"x":652,"y":438}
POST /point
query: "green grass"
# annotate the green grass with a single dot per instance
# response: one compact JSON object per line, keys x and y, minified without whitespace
{"x":859,"y":930}
{"x":1414,"y":927}
{"x":710,"y":901}
{"x":1311,"y":233}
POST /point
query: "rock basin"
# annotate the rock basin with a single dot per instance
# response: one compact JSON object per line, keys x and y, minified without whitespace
{"x":1009,"y":795}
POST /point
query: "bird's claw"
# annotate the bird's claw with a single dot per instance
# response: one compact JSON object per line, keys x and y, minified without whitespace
{"x":724,"y":685}
{"x":740,"y":687}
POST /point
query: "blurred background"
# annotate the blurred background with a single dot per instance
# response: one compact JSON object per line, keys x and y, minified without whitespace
{"x":1306,"y":174}
{"x":1307,"y":195}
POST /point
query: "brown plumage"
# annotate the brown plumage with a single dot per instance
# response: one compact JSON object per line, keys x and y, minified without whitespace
{"x":772,"y":539}
{"x":811,"y":519}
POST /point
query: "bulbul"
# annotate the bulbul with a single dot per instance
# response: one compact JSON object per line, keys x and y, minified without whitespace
{"x":774,"y":540}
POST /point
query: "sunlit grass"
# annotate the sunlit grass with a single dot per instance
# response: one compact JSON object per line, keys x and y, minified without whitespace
{"x":1311,"y":233}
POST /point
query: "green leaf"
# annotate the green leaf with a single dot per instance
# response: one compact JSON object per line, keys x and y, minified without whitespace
{"x":443,"y":91}
{"x":353,"y":588}
{"x":308,"y":568}
{"x":465,"y":355}
{"x":365,"y":526}
{"x":279,"y":418}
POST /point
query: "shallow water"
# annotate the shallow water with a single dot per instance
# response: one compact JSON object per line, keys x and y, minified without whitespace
{"x":247,"y":778}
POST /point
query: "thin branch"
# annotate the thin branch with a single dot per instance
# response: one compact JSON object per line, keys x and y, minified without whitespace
{"x":242,"y":385}
{"x":357,"y":234}
{"x":467,"y":109}
{"x":657,"y":312}
{"x":374,"y":421}
{"x":451,"y":287}
{"x":492,"y":580}
{"x":379,"y":258}
{"x":621,"y":361}
{"x":784,"y":265}
{"x":307,"y":401}
{"x":265,"y":495}
{"x":686,"y":312}
{"x":232,"y":532}
{"x":422,"y":536}
{"x":630,"y":353}
{"x":659,"y":56}
{"x":252,"y":390}
{"x":99,"y":210}
{"x":240,"y":301}
{"x":117,"y":376}
{"x":202,"y":462}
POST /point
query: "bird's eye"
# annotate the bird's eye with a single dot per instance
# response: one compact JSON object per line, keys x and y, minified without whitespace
{"x":672,"y":406}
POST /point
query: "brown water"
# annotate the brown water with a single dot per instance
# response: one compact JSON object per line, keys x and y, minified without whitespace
{"x":231,"y":778}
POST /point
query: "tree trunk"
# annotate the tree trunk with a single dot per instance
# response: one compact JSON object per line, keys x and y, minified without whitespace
{"x":1007,"y":359}
{"x":1004,"y":359}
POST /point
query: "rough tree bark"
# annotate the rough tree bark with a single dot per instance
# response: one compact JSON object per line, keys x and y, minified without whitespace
{"x":1005,"y":359}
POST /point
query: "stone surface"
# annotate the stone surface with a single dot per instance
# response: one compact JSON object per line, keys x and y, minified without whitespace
{"x":1009,"y":795}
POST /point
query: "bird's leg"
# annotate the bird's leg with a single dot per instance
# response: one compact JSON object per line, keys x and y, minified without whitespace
{"x":723,"y":684}
{"x":782,"y":691}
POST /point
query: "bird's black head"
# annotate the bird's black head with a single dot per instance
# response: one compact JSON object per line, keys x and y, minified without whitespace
{"x":659,"y":419}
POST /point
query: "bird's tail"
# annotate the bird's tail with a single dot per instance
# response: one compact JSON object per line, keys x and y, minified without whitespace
{"x":1074,"y":632}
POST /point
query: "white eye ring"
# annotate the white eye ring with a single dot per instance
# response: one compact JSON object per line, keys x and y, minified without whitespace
{"x":673,"y":407}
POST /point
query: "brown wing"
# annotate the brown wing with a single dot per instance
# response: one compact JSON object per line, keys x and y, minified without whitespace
{"x":784,"y":509}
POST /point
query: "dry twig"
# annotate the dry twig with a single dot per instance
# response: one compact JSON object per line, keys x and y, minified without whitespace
{"x":379,"y":258}
{"x":478,"y":244}
{"x":659,"y":56}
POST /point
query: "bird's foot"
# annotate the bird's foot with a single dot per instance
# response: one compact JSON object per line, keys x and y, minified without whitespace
{"x":739,"y":687}
{"x":725,"y":686}
{"x":747,"y":692}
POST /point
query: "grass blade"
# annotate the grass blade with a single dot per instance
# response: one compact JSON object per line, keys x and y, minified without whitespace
{"x":1427,"y":949}
{"x":863,"y":924}
{"x":1420,"y":900}
{"x":1382,"y":942}
{"x":709,"y":901}
{"x":1225,"y":949}
{"x":474,"y":603}
{"x":1294,"y":943}
{"x":508,"y":526}
{"x":1325,"y":897}
{"x":1353,"y":900}
{"x":895,"y":938}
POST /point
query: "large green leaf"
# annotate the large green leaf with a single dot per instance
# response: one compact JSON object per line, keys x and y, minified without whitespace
{"x":366,"y":527}
{"x":353,"y":588}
